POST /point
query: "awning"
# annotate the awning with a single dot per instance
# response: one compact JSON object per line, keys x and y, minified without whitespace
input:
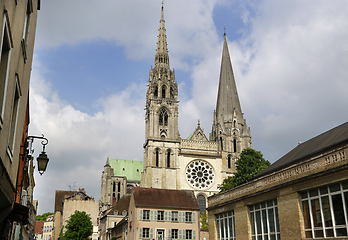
{"x":19,"y":213}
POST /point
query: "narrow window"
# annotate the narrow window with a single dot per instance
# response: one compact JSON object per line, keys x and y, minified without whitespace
{"x":14,"y":115}
{"x":26,"y":29}
{"x":113,"y":187}
{"x":156,"y":91}
{"x":4,"y":66}
{"x":226,"y":227}
{"x":118,"y":197}
{"x":163,"y":117}
{"x":234,"y":145}
{"x":229,"y":161}
{"x":201,"y":203}
{"x":222,"y":145}
{"x":157,"y":158}
{"x":119,"y":186}
{"x":164,"y":88}
{"x":168,"y":158}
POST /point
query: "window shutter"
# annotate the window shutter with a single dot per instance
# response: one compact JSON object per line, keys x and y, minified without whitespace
{"x":194,"y":234}
{"x":140,"y":232}
{"x":180,"y":218}
{"x":155,"y":215}
{"x":194,"y":217}
{"x":180,"y":234}
{"x":169,"y":234}
{"x":184,"y":234}
{"x":166,"y":216}
{"x":151,"y":233}
{"x":151,"y":215}
{"x":141,"y":215}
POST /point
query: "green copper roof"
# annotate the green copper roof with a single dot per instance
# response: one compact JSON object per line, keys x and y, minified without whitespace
{"x":127,"y":168}
{"x":190,"y":136}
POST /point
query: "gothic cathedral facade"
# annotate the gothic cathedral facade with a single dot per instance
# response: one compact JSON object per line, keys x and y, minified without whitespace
{"x":196,"y":163}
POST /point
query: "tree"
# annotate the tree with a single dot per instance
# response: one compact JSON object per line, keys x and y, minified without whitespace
{"x":249,"y":163}
{"x":43,"y":217}
{"x":204,"y":220}
{"x":79,"y":226}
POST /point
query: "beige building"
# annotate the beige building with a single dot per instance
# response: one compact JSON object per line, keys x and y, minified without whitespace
{"x":303,"y":195}
{"x":197,"y":163}
{"x":72,"y":201}
{"x":163,"y":214}
{"x":17,"y":35}
{"x":113,"y":217}
{"x":48,"y":226}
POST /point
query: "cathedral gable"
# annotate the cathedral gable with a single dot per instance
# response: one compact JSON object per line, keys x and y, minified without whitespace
{"x":198,"y":135}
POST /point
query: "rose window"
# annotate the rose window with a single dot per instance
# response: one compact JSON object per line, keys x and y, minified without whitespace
{"x":200,"y":174}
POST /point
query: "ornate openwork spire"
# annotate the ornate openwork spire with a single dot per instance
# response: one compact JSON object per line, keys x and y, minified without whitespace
{"x":162,"y":56}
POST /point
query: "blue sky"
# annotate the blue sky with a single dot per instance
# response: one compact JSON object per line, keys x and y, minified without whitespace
{"x":92,"y":60}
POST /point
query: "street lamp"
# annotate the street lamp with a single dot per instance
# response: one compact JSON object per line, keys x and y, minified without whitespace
{"x":42,"y":159}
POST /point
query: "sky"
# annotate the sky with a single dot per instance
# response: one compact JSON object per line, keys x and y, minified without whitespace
{"x":92,"y":60}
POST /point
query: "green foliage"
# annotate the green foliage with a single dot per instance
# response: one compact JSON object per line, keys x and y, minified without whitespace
{"x":204,"y":221}
{"x":43,"y":217}
{"x":250,"y":163}
{"x":113,"y":238}
{"x":61,"y":234}
{"x":79,"y":226}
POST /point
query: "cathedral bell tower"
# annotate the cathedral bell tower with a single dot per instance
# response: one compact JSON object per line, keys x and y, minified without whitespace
{"x":161,"y":118}
{"x":229,"y":127}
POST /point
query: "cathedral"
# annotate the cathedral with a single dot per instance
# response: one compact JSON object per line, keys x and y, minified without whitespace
{"x":198,"y":163}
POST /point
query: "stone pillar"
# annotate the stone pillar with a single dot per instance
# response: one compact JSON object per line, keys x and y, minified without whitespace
{"x":242,"y":223}
{"x":290,"y":216}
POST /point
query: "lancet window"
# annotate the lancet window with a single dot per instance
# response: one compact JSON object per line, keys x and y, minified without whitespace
{"x":164,"y":88}
{"x":163,"y":117}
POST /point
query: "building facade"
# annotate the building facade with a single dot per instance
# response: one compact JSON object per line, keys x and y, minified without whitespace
{"x":48,"y":228}
{"x":197,"y":163}
{"x":17,"y":35}
{"x":118,"y":178}
{"x":303,"y":195}
{"x":158,"y":214}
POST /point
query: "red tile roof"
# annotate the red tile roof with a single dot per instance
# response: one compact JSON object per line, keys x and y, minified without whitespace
{"x":165,"y":198}
{"x":39,"y":227}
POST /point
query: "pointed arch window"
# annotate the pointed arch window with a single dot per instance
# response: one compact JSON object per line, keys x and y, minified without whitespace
{"x":222,"y":144}
{"x":163,"y":117}
{"x":157,"y":157}
{"x":229,"y":161}
{"x":201,"y":203}
{"x":164,"y":88}
{"x":234,"y":145}
{"x":168,"y":158}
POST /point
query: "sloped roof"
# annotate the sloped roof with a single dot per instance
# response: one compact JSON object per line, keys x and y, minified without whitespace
{"x":39,"y":227}
{"x":120,"y":206}
{"x":165,"y":198}
{"x":127,"y":168}
{"x":60,"y":194}
{"x":198,"y":134}
{"x":311,"y":147}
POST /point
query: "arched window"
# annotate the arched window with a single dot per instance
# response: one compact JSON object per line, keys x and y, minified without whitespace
{"x":163,"y":117}
{"x":168,"y":158}
{"x":229,"y":164}
{"x":164,"y":88}
{"x":222,"y":144}
{"x":157,"y":157}
{"x":234,"y":145}
{"x":113,"y":187}
{"x":201,"y":203}
{"x":119,"y":187}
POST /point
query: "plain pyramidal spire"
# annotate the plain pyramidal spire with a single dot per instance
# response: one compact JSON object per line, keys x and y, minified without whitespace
{"x":227,"y":102}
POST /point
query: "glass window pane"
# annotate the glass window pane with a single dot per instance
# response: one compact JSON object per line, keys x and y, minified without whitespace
{"x":313,"y":193}
{"x":252,"y":223}
{"x":338,"y":209}
{"x":275,"y":202}
{"x":318,"y":233}
{"x":277,"y":219}
{"x":271,"y":220}
{"x":309,"y":234}
{"x":258,"y":222}
{"x":326,"y":211}
{"x":222,"y":228}
{"x":263,"y":205}
{"x":257,"y":206}
{"x":230,"y":226}
{"x":269,"y":203}
{"x":304,"y":195}
{"x":329,"y":233}
{"x":341,"y":232}
{"x":264,"y":221}
{"x":217,"y":227}
{"x":273,"y":237}
{"x":345,"y":185}
{"x":306,"y":214}
{"x":317,"y":222}
{"x":226,"y":226}
{"x":335,"y":187}
{"x":323,"y":190}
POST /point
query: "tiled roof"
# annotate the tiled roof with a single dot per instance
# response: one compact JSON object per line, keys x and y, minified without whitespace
{"x":165,"y":198}
{"x":39,"y":227}
{"x":59,"y":198}
{"x":309,"y":148}
{"x":120,"y":206}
